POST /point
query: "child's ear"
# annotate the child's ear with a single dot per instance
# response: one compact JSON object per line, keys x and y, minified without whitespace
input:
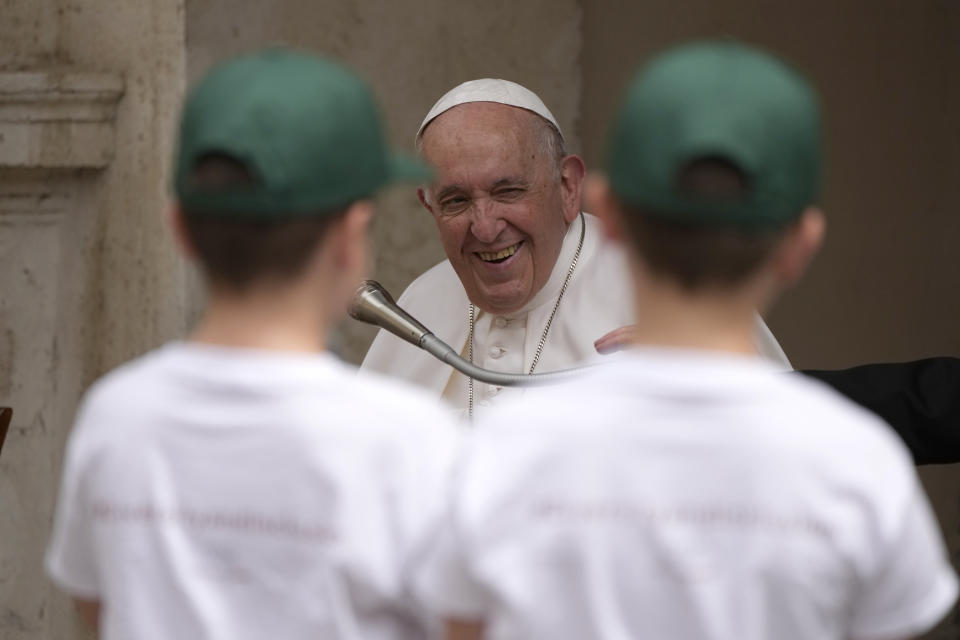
{"x":600,"y":201}
{"x":800,"y":245}
{"x":350,"y":238}
{"x":175,"y":220}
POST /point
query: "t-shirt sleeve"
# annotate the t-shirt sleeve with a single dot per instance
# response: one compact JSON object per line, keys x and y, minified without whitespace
{"x":914,"y":586}
{"x":71,"y":556}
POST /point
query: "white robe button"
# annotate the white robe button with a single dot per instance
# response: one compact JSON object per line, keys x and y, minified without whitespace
{"x":496,"y":352}
{"x":501,"y":323}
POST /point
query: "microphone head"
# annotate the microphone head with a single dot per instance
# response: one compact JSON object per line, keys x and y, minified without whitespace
{"x":368,"y":292}
{"x":374,"y":305}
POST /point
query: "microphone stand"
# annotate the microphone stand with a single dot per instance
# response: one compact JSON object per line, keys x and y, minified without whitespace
{"x":374,"y":305}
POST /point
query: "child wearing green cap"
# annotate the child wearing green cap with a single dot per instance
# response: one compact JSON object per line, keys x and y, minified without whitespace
{"x":244,"y":483}
{"x":689,"y":490}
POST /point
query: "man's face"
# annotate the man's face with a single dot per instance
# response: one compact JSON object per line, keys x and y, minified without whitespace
{"x":500,"y":202}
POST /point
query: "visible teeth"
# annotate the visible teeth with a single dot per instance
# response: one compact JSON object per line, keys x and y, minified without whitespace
{"x":499,"y":255}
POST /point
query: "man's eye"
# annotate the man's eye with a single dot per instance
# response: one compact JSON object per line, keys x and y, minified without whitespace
{"x":510,"y":193}
{"x":453,"y":205}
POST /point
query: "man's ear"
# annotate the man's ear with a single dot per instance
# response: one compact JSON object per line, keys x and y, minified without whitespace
{"x":800,"y":245}
{"x":179,"y":230}
{"x":600,"y":201}
{"x":572,"y":171}
{"x":422,"y":195}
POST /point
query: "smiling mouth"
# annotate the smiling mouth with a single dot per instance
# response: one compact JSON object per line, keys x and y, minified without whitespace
{"x":498,"y":256}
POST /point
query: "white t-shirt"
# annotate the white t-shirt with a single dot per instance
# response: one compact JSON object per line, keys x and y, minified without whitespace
{"x":211,"y":492}
{"x":598,"y":300}
{"x":684,"y":494}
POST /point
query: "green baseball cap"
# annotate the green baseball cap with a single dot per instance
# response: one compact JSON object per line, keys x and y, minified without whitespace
{"x":719,"y":100}
{"x":306,"y":128}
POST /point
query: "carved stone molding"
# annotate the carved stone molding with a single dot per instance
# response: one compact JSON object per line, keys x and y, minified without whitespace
{"x":56,"y":120}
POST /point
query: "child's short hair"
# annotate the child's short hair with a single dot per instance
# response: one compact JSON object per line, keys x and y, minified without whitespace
{"x":237,"y":252}
{"x":697,"y":256}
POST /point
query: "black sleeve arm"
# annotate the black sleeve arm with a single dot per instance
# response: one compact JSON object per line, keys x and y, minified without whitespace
{"x":919,"y":399}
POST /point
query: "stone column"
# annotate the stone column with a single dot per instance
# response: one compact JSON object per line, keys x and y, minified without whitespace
{"x":89,"y":91}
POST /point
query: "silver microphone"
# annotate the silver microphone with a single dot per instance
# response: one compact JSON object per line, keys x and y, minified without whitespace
{"x":374,"y":305}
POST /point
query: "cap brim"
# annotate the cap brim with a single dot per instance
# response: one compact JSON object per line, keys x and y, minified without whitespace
{"x":406,"y":168}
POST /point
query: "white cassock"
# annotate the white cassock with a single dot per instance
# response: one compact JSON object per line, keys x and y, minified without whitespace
{"x":598,"y":300}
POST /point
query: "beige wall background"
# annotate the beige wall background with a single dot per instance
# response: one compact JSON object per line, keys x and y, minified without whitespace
{"x":886,"y":285}
{"x":89,"y":277}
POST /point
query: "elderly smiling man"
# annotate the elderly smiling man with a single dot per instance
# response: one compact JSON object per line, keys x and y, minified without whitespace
{"x":529,"y":283}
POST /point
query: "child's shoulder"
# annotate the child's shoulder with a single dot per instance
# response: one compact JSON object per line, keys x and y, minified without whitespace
{"x":106,"y":410}
{"x":127,"y":384}
{"x":777,"y":404}
{"x":815,"y":409}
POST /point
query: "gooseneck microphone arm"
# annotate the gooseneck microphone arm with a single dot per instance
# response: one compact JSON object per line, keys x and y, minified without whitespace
{"x":374,"y":305}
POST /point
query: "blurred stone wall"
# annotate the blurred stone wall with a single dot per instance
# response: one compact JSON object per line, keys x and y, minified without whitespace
{"x":88,"y":276}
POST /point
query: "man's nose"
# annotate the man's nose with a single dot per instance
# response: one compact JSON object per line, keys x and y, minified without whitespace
{"x":486,"y":222}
